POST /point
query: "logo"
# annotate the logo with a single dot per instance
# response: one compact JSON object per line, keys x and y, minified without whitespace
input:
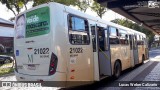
{"x":30,"y":58}
{"x":6,"y":84}
{"x":153,"y":4}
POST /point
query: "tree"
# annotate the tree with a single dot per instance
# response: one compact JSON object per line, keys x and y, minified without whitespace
{"x":65,"y":2}
{"x":100,"y":10}
{"x":15,"y":5}
{"x":82,"y":4}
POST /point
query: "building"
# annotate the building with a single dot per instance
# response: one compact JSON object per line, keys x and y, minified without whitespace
{"x":6,"y":36}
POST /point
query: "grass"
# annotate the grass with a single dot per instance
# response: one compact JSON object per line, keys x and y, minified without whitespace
{"x":7,"y":64}
{"x":7,"y":70}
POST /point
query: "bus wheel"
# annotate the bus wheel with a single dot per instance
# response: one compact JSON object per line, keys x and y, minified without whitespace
{"x":143,"y":58}
{"x":117,"y":69}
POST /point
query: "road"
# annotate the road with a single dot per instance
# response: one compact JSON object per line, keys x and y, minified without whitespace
{"x":150,"y":71}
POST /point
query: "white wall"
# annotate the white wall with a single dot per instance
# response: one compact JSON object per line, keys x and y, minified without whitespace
{"x":6,"y":31}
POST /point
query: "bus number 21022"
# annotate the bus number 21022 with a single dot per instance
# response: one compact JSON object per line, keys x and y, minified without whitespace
{"x":76,"y":50}
{"x":41,"y":51}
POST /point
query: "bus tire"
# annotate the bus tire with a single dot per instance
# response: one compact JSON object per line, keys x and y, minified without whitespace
{"x":117,"y":69}
{"x":143,"y":58}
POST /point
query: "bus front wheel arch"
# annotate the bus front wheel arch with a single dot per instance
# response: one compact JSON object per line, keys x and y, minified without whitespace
{"x":117,"y":69}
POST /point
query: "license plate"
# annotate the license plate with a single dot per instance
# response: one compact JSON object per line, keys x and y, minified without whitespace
{"x":31,"y":67}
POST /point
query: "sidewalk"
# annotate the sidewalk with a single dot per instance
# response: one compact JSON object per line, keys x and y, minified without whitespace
{"x":154,"y":48}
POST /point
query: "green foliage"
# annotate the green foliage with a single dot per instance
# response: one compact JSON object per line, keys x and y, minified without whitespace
{"x":65,"y":2}
{"x":6,"y":68}
{"x":100,"y":10}
{"x":82,"y":4}
{"x":15,"y":5}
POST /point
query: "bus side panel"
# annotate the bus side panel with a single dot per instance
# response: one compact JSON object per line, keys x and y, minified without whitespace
{"x":146,"y":48}
{"x":60,"y":38}
{"x":125,"y":53}
{"x":140,"y":53}
{"x":80,"y":64}
{"x":115,"y":52}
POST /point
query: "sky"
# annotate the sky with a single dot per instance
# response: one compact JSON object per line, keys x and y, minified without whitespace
{"x":109,"y":15}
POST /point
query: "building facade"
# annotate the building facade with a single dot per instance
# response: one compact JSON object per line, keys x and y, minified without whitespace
{"x":6,"y":36}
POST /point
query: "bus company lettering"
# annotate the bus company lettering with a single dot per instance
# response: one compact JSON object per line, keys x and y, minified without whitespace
{"x":33,"y":19}
{"x":39,"y":24}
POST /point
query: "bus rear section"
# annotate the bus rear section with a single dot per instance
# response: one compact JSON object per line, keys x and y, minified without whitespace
{"x":35,"y":52}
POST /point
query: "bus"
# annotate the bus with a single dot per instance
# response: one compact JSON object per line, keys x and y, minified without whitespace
{"x":54,"y":42}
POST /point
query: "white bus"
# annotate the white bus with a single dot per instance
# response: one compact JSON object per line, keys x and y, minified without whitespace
{"x":56,"y":43}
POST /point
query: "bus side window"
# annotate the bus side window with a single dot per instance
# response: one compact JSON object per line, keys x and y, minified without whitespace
{"x":130,"y":41}
{"x":78,"y":30}
{"x":135,"y":42}
{"x":123,"y":37}
{"x":113,"y":35}
{"x":139,"y":40}
{"x":101,"y":38}
{"x":143,"y":40}
{"x":106,"y":39}
{"x":94,"y":38}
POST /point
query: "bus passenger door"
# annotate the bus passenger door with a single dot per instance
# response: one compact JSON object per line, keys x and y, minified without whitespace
{"x":95,"y":52}
{"x":101,"y":50}
{"x":135,"y":50}
{"x":131,"y":50}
